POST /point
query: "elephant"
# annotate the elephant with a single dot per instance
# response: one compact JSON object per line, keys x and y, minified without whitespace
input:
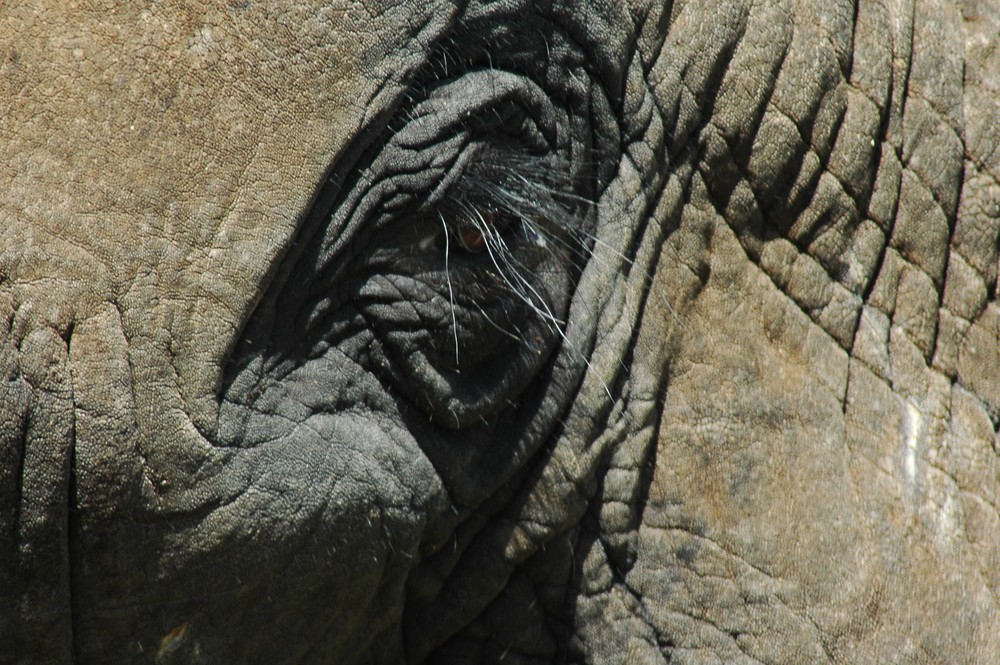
{"x":533,"y":331}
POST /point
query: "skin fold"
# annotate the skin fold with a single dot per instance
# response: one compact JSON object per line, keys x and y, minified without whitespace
{"x":534,"y":332}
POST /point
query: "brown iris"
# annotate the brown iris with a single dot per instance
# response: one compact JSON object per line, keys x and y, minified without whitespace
{"x":474,"y":236}
{"x":471,"y":238}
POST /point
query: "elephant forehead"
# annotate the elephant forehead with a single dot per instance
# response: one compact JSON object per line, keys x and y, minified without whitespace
{"x":145,"y":133}
{"x":160,"y":155}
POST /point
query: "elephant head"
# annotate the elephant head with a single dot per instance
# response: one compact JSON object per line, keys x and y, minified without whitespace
{"x":585,"y":332}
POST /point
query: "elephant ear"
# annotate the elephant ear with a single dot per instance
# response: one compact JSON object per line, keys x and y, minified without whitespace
{"x":825,"y":462}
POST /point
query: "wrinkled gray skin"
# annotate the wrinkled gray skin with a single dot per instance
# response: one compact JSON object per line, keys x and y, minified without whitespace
{"x":725,"y":386}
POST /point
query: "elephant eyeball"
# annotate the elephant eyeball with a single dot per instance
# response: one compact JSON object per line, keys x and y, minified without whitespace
{"x":471,"y":238}
{"x":473,"y":231}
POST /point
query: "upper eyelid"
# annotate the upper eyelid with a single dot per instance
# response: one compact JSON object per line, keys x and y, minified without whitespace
{"x":452,"y":104}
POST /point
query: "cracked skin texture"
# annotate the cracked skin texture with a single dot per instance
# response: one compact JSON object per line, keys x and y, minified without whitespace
{"x":783,"y":448}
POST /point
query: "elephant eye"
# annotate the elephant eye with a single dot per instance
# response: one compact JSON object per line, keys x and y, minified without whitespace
{"x":478,"y":233}
{"x":447,"y":252}
{"x":472,"y":234}
{"x":471,"y":238}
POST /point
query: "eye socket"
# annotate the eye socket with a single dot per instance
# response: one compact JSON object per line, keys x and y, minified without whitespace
{"x":448,"y":254}
{"x":468,"y":295}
